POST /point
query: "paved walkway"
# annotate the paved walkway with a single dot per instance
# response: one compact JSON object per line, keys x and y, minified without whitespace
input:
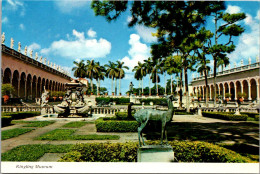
{"x":194,"y":120}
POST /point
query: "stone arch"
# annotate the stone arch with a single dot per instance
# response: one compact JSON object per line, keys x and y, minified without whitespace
{"x":226,"y":89}
{"x":232,"y":90}
{"x":212,"y":91}
{"x":245,"y":88}
{"x":253,"y":89}
{"x":34,"y":87}
{"x":7,"y":76}
{"x":22,"y":85}
{"x":221,"y":89}
{"x":238,"y":88}
{"x":16,"y":83}
{"x":29,"y":87}
{"x":47,"y":84}
{"x":39,"y":87}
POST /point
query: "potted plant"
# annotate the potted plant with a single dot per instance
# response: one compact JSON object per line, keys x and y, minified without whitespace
{"x":7,"y":90}
{"x":113,"y":93}
{"x":241,"y":96}
{"x":227,"y":95}
{"x":54,"y":95}
{"x":61,"y":94}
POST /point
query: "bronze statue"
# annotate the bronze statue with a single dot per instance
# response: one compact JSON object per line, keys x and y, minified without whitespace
{"x":144,"y":115}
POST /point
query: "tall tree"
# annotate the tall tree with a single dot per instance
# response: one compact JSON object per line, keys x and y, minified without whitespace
{"x":111,"y":72}
{"x":225,"y":25}
{"x":121,"y":73}
{"x":91,"y":69}
{"x":148,"y":68}
{"x":140,"y":73}
{"x":79,"y":69}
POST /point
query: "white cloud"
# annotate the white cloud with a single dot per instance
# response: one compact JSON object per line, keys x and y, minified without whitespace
{"x":22,"y":27}
{"x":92,"y":33}
{"x":67,"y":6}
{"x":233,"y":9}
{"x":248,"y":44}
{"x":14,"y":5}
{"x":34,"y":46}
{"x":4,"y":20}
{"x":137,"y":52}
{"x":258,"y":15}
{"x":79,"y":47}
{"x":146,"y":33}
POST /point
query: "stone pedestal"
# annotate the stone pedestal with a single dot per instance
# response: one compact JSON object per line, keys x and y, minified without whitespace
{"x":155,"y":153}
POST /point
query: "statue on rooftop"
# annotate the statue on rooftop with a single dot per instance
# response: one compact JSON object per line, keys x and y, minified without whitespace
{"x":235,"y":65}
{"x":41,"y":59}
{"x":12,"y":43}
{"x":257,"y":58}
{"x":19,"y":47}
{"x":25,"y":50}
{"x":36,"y":56}
{"x":48,"y":63}
{"x":44,"y":61}
{"x":249,"y":60}
{"x":3,"y":38}
{"x":31,"y":53}
{"x":242,"y":62}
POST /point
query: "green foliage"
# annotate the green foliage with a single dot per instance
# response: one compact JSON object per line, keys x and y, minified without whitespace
{"x":183,"y":113}
{"x":159,"y":101}
{"x":7,"y":89}
{"x":67,"y":134}
{"x":240,"y":94}
{"x":6,"y":134}
{"x":34,"y":123}
{"x":21,"y":115}
{"x":75,"y":124}
{"x":107,"y":100}
{"x":225,"y":116}
{"x":127,"y":152}
{"x":6,"y":120}
{"x":255,"y":116}
{"x":123,"y":116}
{"x":33,"y":152}
{"x":227,"y":95}
{"x":116,"y":126}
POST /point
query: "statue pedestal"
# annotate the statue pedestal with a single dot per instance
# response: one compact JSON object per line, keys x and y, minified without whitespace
{"x":155,"y":153}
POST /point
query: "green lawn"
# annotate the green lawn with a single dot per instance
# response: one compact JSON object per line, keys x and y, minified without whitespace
{"x":33,"y":152}
{"x":66,"y":134}
{"x":34,"y":123}
{"x":75,"y":124}
{"x":6,"y":134}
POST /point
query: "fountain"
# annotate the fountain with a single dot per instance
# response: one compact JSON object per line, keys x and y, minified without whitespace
{"x":75,"y":102}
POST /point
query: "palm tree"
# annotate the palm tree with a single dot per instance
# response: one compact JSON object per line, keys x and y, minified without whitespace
{"x":121,"y":73}
{"x":91,"y":70}
{"x":111,"y":72}
{"x":79,"y":69}
{"x":148,"y":68}
{"x":99,"y":75}
{"x":157,"y":69}
{"x":140,"y":73}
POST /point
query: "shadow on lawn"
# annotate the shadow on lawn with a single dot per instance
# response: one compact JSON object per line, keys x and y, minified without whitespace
{"x":244,"y":137}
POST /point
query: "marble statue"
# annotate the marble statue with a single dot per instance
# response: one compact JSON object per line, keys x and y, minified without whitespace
{"x":249,"y":60}
{"x":3,"y":38}
{"x":51,"y":64}
{"x":31,"y":53}
{"x":48,"y":63}
{"x":257,"y":59}
{"x":131,"y":88}
{"x":44,"y":61}
{"x":25,"y":50}
{"x":19,"y":47}
{"x":36,"y":56}
{"x":54,"y":66}
{"x":235,"y":65}
{"x":229,"y":67}
{"x":144,"y":115}
{"x":41,"y":59}
{"x":44,"y":98}
{"x":12,"y":43}
{"x":242,"y":62}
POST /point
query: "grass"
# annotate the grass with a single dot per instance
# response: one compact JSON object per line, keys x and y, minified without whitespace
{"x":33,"y":152}
{"x":34,"y":123}
{"x":6,"y":134}
{"x":66,"y":134}
{"x":75,"y":124}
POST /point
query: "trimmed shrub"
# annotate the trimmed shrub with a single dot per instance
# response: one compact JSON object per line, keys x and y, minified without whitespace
{"x":124,"y":116}
{"x":158,"y":101}
{"x":253,"y":115}
{"x":6,"y":120}
{"x":225,"y":116}
{"x":107,"y":100}
{"x":127,"y":152}
{"x":34,"y":123}
{"x":21,"y":115}
{"x":116,"y":126}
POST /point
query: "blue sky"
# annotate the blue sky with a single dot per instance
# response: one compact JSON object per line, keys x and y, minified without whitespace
{"x":64,"y":31}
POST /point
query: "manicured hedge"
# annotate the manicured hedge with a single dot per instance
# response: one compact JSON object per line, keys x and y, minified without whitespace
{"x":225,"y":116}
{"x":6,"y":121}
{"x":252,"y":115}
{"x":116,"y":126}
{"x":21,"y":115}
{"x":158,"y":101}
{"x":127,"y":152}
{"x":124,"y":116}
{"x":107,"y":100}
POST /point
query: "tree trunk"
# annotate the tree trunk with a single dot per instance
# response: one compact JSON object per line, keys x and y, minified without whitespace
{"x":91,"y":82}
{"x":150,"y":85}
{"x":115,"y":86}
{"x":206,"y":83}
{"x":112,"y":85}
{"x":215,"y":63}
{"x":119,"y":85}
{"x":142,"y":86}
{"x":97,"y":86}
{"x":187,"y":90}
{"x":180,"y":103}
{"x":165,"y":90}
{"x":156,"y":84}
{"x":171,"y":85}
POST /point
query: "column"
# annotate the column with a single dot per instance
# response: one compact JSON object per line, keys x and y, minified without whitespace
{"x":218,"y":89}
{"x":203,"y":93}
{"x":235,"y":86}
{"x":249,"y":91}
{"x":242,"y":87}
{"x":210,"y":92}
{"x":224,"y":91}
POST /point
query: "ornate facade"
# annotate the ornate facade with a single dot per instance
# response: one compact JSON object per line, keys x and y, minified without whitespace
{"x":30,"y":76}
{"x":244,"y":79}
